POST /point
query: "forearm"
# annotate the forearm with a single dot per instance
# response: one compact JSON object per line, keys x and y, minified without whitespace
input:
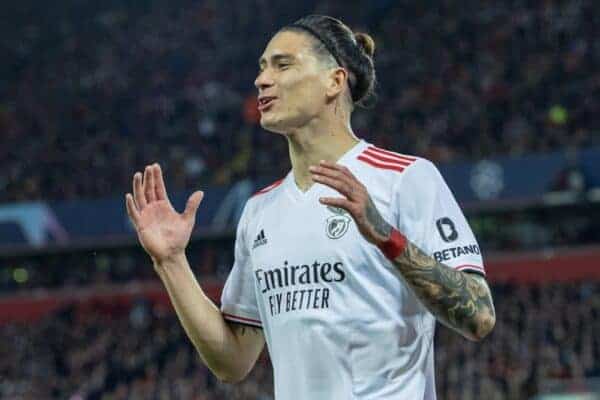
{"x":462,"y":301}
{"x":459,"y":300}
{"x":202,"y":320}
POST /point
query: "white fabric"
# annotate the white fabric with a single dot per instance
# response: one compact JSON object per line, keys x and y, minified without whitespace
{"x":339,"y":320}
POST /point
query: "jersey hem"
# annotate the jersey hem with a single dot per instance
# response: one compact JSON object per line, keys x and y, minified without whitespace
{"x":231,"y":321}
{"x":471,"y":268}
{"x":242,"y":320}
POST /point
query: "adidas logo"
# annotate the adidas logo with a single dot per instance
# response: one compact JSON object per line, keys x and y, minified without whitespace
{"x":260,"y":239}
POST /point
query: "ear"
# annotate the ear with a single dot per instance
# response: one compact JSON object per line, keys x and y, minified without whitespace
{"x":336,"y":82}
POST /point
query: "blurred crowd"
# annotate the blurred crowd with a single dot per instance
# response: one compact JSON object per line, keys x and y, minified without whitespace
{"x":93,"y":91}
{"x":68,"y":270}
{"x":543,"y":333}
{"x":212,"y":258}
{"x":111,"y":353}
{"x":71,"y":270}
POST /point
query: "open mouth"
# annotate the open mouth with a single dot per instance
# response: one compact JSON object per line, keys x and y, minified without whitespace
{"x":265,"y":103}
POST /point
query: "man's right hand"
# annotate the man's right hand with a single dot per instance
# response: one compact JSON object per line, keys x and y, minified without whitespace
{"x":163,"y":232}
{"x":230,"y":352}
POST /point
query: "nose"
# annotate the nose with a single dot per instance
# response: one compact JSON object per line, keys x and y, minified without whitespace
{"x":263,"y":80}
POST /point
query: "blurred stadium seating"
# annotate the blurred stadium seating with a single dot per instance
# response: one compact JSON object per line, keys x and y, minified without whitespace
{"x":111,"y":340}
{"x":93,"y":91}
{"x":106,"y":87}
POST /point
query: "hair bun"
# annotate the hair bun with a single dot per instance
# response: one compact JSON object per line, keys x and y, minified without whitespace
{"x":365,"y":42}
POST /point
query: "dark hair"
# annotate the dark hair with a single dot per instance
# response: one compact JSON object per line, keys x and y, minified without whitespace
{"x":353,"y":51}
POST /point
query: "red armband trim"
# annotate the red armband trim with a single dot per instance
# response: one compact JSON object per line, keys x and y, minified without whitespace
{"x":394,"y":246}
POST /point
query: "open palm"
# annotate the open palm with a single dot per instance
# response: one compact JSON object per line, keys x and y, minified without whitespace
{"x":162,"y":231}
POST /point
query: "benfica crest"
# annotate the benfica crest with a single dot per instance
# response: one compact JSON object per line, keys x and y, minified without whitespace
{"x":337,"y":225}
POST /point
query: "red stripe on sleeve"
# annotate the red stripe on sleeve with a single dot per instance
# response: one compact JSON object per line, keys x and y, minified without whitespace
{"x":380,"y":157}
{"x":393,"y":167}
{"x":391,"y":154}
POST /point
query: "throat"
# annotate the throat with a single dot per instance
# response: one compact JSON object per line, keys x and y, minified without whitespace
{"x":303,"y":181}
{"x":308,"y":151}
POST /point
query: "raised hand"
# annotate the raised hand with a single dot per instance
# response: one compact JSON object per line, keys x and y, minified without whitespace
{"x":163,"y":232}
{"x":460,"y":300}
{"x":356,"y":200}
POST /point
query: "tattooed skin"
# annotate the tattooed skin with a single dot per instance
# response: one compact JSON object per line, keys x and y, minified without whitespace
{"x":381,"y":227}
{"x":460,"y":300}
{"x":244,"y":329}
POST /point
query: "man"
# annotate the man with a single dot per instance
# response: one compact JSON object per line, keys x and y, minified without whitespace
{"x":342,"y":266}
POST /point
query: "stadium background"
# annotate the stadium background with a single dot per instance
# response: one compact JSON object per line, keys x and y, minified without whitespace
{"x":503,"y":96}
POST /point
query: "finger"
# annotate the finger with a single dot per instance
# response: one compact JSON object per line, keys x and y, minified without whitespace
{"x":334,"y":173}
{"x":341,"y":173}
{"x":337,"y":167}
{"x":138,"y":191}
{"x":348,"y":173}
{"x":330,"y":165}
{"x":337,"y":202}
{"x":341,"y":186}
{"x":192,"y":205}
{"x":134,"y":214}
{"x":159,"y":183}
{"x":149,"y":189}
{"x":335,"y":179}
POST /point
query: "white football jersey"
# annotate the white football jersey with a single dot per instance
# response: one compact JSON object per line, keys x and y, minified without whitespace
{"x":339,"y":320}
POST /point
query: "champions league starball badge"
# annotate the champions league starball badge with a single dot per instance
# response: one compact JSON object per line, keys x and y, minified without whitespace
{"x":337,"y":225}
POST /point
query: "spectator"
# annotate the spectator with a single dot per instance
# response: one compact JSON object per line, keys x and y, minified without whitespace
{"x":543,"y":332}
{"x":95,"y":91}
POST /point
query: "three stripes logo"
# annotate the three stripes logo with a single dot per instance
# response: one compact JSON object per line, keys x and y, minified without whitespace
{"x":384,"y":159}
{"x":260,"y":239}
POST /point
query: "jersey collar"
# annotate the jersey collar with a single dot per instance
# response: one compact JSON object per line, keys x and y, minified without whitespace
{"x":292,"y":189}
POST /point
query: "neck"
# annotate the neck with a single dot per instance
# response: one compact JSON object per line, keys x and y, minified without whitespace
{"x":309,"y":146}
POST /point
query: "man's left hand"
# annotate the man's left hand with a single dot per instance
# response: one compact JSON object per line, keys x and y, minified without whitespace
{"x":356,"y":200}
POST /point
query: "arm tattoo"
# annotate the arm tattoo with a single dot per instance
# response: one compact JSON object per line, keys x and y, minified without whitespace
{"x":241,"y":329}
{"x":376,"y":220}
{"x":462,"y":301}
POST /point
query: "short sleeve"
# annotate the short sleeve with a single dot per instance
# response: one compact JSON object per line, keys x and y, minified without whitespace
{"x":238,"y":299}
{"x":429,"y":216}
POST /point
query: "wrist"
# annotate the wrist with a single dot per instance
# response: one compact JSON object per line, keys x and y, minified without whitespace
{"x":394,"y":245}
{"x":173,"y":261}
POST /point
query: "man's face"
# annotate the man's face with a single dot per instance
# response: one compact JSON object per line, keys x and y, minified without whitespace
{"x":293,"y":77}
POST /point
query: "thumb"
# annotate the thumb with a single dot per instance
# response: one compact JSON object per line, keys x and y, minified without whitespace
{"x":192,"y":205}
